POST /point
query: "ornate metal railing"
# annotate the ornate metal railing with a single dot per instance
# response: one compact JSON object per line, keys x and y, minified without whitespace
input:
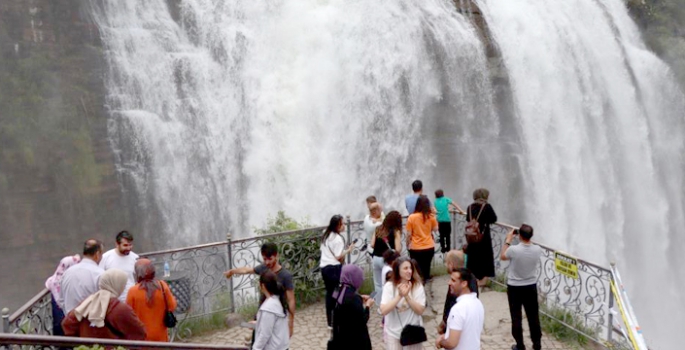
{"x":198,"y":282}
{"x":587,"y":298}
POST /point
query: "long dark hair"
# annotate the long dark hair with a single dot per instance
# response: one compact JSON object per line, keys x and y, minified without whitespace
{"x":423,"y":206}
{"x":332,"y":227}
{"x":270,"y":282}
{"x":391,"y":223}
{"x":397,"y":279}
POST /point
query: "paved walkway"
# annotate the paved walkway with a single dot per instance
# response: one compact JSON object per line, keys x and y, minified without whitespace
{"x":311,"y":332}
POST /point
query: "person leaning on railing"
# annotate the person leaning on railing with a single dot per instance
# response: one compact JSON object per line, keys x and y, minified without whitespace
{"x":54,"y":285}
{"x":269,"y":253}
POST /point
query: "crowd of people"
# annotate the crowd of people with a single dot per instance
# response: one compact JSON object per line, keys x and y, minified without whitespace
{"x":111,"y":295}
{"x":116,"y":294}
{"x":399,"y":279}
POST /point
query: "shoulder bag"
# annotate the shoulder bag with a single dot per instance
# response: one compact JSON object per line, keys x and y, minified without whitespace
{"x":169,"y":317}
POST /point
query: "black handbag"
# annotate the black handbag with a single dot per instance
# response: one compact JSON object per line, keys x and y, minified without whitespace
{"x":412,"y":334}
{"x":169,"y":317}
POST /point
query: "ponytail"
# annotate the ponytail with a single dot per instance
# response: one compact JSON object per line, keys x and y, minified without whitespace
{"x":271,"y":284}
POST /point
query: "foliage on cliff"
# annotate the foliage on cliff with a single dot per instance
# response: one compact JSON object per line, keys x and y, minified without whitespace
{"x":663,"y":26}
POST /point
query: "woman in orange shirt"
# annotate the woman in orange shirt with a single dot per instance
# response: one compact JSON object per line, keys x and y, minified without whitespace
{"x":420,"y":227}
{"x":147,"y":300}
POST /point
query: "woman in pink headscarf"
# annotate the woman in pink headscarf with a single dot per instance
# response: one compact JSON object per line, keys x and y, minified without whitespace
{"x":53,"y":285}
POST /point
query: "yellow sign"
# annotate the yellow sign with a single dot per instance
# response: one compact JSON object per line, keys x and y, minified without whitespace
{"x":566,"y":265}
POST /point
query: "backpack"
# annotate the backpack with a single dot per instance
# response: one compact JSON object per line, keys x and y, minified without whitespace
{"x":472,"y":229}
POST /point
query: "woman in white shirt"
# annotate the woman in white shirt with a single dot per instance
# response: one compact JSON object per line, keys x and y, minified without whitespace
{"x":332,"y":255}
{"x":402,"y":303}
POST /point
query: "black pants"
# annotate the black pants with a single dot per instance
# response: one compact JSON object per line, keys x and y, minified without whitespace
{"x":423,"y":258}
{"x":526,"y":297}
{"x":445,"y":229}
{"x":331,"y":280}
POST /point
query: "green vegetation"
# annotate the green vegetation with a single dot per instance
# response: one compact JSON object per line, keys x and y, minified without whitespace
{"x":498,"y":284}
{"x":550,"y":318}
{"x":308,"y":285}
{"x":199,"y":325}
{"x":663,"y":26}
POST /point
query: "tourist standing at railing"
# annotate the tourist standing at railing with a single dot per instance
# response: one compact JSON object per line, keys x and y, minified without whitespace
{"x":442,"y":207}
{"x":480,"y":258}
{"x":269,"y":252}
{"x":54,"y":285}
{"x":121,"y":257}
{"x":271,"y":330}
{"x":522,"y":278}
{"x":333,"y":254}
{"x":420,"y":228}
{"x":403,"y":302}
{"x":373,"y":220}
{"x":102,"y":315}
{"x":386,"y":237}
{"x":351,"y":312}
{"x":411,"y":199}
{"x":81,"y":280}
{"x":466,"y":318}
{"x":150,"y":299}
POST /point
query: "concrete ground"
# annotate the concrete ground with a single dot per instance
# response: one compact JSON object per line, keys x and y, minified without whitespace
{"x":311,"y":331}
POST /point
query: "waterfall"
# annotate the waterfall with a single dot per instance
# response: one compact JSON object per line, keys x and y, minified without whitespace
{"x":601,"y":126}
{"x":224,"y":112}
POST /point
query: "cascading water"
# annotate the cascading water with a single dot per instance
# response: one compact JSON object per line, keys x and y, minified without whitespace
{"x":601,"y":121}
{"x":224,"y":112}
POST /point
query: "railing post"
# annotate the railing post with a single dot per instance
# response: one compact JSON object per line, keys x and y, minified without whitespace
{"x":611,"y":305}
{"x":349,"y":235}
{"x":230,"y":266}
{"x":454,"y":230}
{"x":5,"y":320}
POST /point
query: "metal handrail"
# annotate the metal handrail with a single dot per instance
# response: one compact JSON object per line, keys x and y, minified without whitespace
{"x":28,"y":305}
{"x":57,"y":341}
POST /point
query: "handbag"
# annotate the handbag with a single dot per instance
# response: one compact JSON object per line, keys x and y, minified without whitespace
{"x":169,"y":317}
{"x":472,"y":230}
{"x":411,"y":334}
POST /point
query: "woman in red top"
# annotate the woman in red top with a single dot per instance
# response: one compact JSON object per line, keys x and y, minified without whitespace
{"x":420,"y":227}
{"x":147,"y":300}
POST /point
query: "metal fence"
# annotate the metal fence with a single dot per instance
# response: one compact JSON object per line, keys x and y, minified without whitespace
{"x":197,"y":278}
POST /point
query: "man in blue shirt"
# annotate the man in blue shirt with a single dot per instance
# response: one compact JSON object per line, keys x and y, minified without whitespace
{"x":410,"y":199}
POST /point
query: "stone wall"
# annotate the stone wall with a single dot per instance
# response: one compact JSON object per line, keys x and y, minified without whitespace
{"x":58,"y":184}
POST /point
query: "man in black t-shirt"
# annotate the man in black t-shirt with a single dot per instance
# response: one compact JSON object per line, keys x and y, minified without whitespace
{"x":285,"y":278}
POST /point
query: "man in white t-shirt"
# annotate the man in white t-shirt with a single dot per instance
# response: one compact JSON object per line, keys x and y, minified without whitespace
{"x":465,"y":322}
{"x":122,"y":258}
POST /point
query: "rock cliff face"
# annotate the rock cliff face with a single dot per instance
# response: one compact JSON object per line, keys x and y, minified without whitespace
{"x":58,"y":184}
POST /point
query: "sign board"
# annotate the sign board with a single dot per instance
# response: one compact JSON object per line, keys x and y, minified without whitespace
{"x":566,"y":265}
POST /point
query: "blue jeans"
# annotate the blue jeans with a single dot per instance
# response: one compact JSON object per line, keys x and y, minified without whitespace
{"x":378,"y":278}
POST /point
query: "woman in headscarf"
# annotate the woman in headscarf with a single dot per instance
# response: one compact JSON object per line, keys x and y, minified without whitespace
{"x":102,"y":315}
{"x":53,"y":284}
{"x":150,"y":299}
{"x":481,"y":259}
{"x":351,"y":311}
